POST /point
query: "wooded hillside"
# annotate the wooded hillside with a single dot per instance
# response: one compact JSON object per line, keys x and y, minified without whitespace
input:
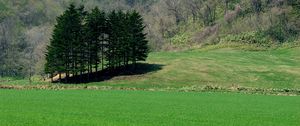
{"x":26,"y":25}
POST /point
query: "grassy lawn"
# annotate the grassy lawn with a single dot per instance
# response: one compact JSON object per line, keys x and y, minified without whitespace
{"x":118,"y":108}
{"x":220,"y":67}
{"x":223,"y":67}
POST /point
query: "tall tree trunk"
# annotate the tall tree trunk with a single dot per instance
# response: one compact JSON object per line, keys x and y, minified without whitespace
{"x":59,"y":77}
{"x":67,"y":76}
{"x":51,"y":76}
{"x":102,"y":53}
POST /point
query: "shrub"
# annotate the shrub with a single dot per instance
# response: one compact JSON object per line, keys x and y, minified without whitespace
{"x":180,"y":39}
{"x":276,"y":33}
{"x":281,"y":34}
{"x":248,"y":38}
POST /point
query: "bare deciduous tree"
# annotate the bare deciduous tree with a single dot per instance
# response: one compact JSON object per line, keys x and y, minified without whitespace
{"x":174,"y":6}
{"x":195,"y":8}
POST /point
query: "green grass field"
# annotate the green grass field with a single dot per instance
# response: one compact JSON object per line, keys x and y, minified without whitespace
{"x":138,"y":108}
{"x":215,"y":66}
{"x":224,"y":67}
{"x":221,"y":67}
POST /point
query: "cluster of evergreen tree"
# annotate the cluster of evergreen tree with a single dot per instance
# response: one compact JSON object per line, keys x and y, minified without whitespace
{"x":86,"y":42}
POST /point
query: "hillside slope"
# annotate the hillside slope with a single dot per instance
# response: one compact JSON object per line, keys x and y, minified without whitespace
{"x":26,"y":25}
{"x":215,"y":66}
{"x":224,"y":67}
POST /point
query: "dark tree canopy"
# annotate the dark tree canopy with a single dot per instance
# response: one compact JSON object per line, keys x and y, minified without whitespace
{"x":83,"y":43}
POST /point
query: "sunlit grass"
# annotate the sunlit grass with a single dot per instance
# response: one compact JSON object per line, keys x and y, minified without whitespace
{"x":121,"y":108}
{"x":219,"y":66}
{"x":223,"y":67}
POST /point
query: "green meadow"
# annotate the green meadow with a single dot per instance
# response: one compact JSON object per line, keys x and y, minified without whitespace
{"x":212,"y":66}
{"x":149,"y":62}
{"x":142,"y":108}
{"x":221,"y":67}
{"x":215,"y":66}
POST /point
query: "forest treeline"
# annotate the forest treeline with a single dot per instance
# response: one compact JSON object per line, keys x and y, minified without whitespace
{"x":87,"y":42}
{"x":26,"y":25}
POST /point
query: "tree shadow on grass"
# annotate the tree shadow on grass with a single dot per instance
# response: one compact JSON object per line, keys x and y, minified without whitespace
{"x":107,"y":74}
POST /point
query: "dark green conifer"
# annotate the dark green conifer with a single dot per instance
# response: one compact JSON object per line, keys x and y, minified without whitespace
{"x":137,"y":43}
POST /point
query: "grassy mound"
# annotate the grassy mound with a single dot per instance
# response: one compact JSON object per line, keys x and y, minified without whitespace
{"x":217,"y":66}
{"x":224,"y":67}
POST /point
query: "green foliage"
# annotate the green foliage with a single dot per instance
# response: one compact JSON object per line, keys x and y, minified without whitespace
{"x":277,"y":33}
{"x":258,"y":38}
{"x":138,"y":42}
{"x":63,"y":53}
{"x":181,"y":39}
{"x":95,"y":31}
{"x":281,"y":34}
{"x":209,"y":14}
{"x":232,"y":4}
{"x":4,"y":11}
{"x":82,"y":40}
{"x":185,"y":33}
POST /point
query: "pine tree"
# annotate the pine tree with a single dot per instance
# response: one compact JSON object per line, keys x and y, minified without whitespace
{"x":55,"y":55}
{"x":63,"y":53}
{"x":111,"y":51}
{"x":81,"y":41}
{"x":50,"y":64}
{"x":138,"y":44}
{"x":126,"y":39}
{"x":95,"y":29}
{"x":73,"y":39}
{"x":121,"y":38}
